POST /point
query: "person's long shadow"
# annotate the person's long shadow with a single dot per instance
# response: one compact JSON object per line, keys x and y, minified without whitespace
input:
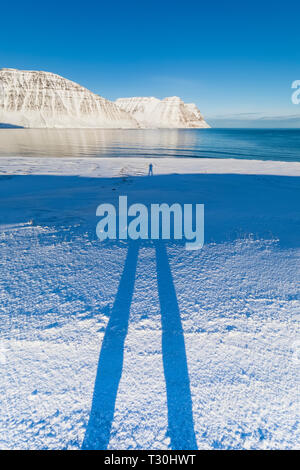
{"x":111,"y":359}
{"x":180,"y":415}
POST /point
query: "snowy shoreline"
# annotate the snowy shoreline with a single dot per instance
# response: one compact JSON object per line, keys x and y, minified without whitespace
{"x":230,"y":372}
{"x":115,"y":167}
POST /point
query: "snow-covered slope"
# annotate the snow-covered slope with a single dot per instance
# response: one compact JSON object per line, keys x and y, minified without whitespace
{"x":43,"y":99}
{"x":170,"y":112}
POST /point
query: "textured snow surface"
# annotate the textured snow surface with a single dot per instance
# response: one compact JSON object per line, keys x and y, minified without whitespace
{"x":43,"y":99}
{"x":170,"y":112}
{"x":210,"y":352}
{"x":114,"y":167}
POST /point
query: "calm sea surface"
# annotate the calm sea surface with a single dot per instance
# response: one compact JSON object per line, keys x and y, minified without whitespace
{"x":259,"y":144}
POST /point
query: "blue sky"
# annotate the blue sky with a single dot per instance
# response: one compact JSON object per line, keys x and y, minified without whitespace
{"x":229,"y":57}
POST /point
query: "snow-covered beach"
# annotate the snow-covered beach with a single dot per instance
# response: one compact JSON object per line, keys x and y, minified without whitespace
{"x":202,"y":345}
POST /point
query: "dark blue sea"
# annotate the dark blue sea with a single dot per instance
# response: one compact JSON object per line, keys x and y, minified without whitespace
{"x":257,"y":144}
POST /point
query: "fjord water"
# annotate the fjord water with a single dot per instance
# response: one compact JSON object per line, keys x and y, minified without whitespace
{"x":257,"y":144}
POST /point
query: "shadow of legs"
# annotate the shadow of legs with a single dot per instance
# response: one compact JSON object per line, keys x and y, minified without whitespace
{"x":180,"y":414}
{"x":111,"y":359}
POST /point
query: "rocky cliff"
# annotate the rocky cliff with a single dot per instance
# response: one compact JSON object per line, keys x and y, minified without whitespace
{"x":167,"y":113}
{"x":43,"y":99}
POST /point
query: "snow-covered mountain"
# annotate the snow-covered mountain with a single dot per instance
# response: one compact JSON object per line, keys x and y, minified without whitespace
{"x":170,"y":112}
{"x":43,"y":99}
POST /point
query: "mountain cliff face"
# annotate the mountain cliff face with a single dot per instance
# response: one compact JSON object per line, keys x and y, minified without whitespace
{"x":43,"y":99}
{"x":167,"y":113}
